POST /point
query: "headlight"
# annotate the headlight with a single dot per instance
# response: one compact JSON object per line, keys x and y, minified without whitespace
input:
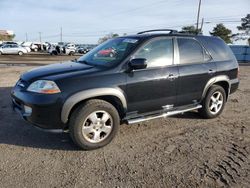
{"x":44,"y":86}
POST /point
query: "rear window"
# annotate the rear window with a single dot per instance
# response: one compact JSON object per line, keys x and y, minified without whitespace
{"x":218,"y":49}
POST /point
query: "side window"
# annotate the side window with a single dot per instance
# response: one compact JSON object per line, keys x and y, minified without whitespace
{"x":157,"y":52}
{"x":190,"y":51}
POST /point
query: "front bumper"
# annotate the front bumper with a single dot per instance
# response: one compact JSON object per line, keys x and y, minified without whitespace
{"x":46,"y":109}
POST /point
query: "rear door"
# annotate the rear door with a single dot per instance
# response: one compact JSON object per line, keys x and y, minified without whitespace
{"x":195,"y":69}
{"x":154,"y":87}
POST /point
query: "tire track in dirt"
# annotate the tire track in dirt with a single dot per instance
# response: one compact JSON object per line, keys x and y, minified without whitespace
{"x":230,"y":168}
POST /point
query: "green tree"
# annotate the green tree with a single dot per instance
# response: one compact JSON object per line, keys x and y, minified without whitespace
{"x":245,"y":27}
{"x":107,"y":37}
{"x":221,"y":31}
{"x":190,"y":30}
{"x":7,"y":37}
{"x":245,"y":24}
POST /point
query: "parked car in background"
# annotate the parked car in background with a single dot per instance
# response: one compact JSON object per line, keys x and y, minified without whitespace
{"x":67,"y":49}
{"x":109,"y":52}
{"x":12,"y":49}
{"x":83,"y":50}
{"x":26,"y":47}
{"x":30,"y":45}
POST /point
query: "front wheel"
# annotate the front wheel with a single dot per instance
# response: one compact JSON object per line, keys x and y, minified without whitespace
{"x":71,"y":53}
{"x":111,"y":54}
{"x":214,"y":102}
{"x":94,"y":124}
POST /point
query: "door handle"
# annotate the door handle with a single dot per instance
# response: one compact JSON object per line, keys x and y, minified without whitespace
{"x":172,"y":77}
{"x":211,"y":71}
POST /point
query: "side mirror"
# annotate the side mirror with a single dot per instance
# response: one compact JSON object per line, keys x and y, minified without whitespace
{"x":139,"y":63}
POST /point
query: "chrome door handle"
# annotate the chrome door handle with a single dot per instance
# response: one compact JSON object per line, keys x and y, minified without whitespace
{"x":211,"y":71}
{"x":172,"y":77}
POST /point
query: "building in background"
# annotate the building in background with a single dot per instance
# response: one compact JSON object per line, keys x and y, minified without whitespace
{"x":6,"y":35}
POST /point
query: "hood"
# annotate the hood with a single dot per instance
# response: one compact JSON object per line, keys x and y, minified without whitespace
{"x":55,"y":69}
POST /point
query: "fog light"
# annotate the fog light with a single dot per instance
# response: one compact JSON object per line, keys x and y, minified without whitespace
{"x":27,"y":110}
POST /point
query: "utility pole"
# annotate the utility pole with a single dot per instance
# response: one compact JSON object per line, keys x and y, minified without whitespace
{"x":198,"y":17}
{"x":40,"y":37}
{"x":61,"y":35}
{"x":26,"y":37}
{"x":202,"y":22}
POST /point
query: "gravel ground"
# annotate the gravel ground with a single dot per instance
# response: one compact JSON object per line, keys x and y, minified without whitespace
{"x":181,"y":151}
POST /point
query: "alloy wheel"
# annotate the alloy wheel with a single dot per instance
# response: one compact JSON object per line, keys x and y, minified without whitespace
{"x":97,"y":126}
{"x":216,"y":102}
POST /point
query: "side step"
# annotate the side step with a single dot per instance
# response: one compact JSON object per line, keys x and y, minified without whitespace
{"x":164,"y":115}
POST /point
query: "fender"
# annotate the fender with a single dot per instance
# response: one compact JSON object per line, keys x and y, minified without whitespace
{"x":90,"y":93}
{"x":213,"y":81}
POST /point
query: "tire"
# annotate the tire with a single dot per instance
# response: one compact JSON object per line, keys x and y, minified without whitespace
{"x":71,"y":53}
{"x":111,"y":55}
{"x":86,"y":127}
{"x":214,"y":102}
{"x":1,"y":53}
{"x":20,"y":53}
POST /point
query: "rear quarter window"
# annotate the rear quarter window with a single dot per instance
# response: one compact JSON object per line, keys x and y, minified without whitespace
{"x":218,"y":49}
{"x":190,"y":51}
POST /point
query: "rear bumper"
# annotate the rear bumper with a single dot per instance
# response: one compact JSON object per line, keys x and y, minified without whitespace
{"x":234,"y":85}
{"x":46,"y":110}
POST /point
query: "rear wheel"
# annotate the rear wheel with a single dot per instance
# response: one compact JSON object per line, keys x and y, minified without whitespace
{"x":0,"y":53}
{"x":94,"y":124}
{"x":20,"y":53}
{"x":214,"y":102}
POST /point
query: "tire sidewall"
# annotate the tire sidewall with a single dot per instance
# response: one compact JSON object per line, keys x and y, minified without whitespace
{"x":211,"y":91}
{"x":80,"y":117}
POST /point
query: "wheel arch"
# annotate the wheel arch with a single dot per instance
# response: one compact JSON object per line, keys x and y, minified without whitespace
{"x":112,"y":95}
{"x":222,"y":81}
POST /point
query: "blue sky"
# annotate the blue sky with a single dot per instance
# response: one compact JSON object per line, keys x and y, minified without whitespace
{"x":85,"y":21}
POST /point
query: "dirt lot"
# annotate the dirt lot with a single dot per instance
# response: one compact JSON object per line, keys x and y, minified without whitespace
{"x":181,"y":151}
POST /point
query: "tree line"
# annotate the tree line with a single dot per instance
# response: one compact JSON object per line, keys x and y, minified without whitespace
{"x":219,"y":30}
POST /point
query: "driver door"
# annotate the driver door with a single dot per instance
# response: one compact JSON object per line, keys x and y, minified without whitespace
{"x":7,"y":49}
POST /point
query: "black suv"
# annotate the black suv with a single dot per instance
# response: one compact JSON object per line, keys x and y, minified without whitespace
{"x":153,"y":74}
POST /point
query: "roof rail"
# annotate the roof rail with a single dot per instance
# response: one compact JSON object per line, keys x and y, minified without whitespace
{"x":171,"y":31}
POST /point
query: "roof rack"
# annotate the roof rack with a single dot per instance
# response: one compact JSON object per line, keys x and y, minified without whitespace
{"x":171,"y":31}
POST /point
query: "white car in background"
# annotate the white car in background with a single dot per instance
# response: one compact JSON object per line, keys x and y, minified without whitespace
{"x":69,"y":49}
{"x":30,"y":45}
{"x":12,"y":49}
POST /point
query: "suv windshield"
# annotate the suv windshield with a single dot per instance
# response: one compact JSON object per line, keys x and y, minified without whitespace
{"x":111,"y":52}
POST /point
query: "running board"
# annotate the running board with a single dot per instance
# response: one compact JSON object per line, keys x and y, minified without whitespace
{"x":164,"y":115}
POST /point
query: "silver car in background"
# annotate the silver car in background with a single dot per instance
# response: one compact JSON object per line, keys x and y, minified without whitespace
{"x":12,"y":49}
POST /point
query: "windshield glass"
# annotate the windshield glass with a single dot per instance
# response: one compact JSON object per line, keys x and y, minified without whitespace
{"x":110,"y":52}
